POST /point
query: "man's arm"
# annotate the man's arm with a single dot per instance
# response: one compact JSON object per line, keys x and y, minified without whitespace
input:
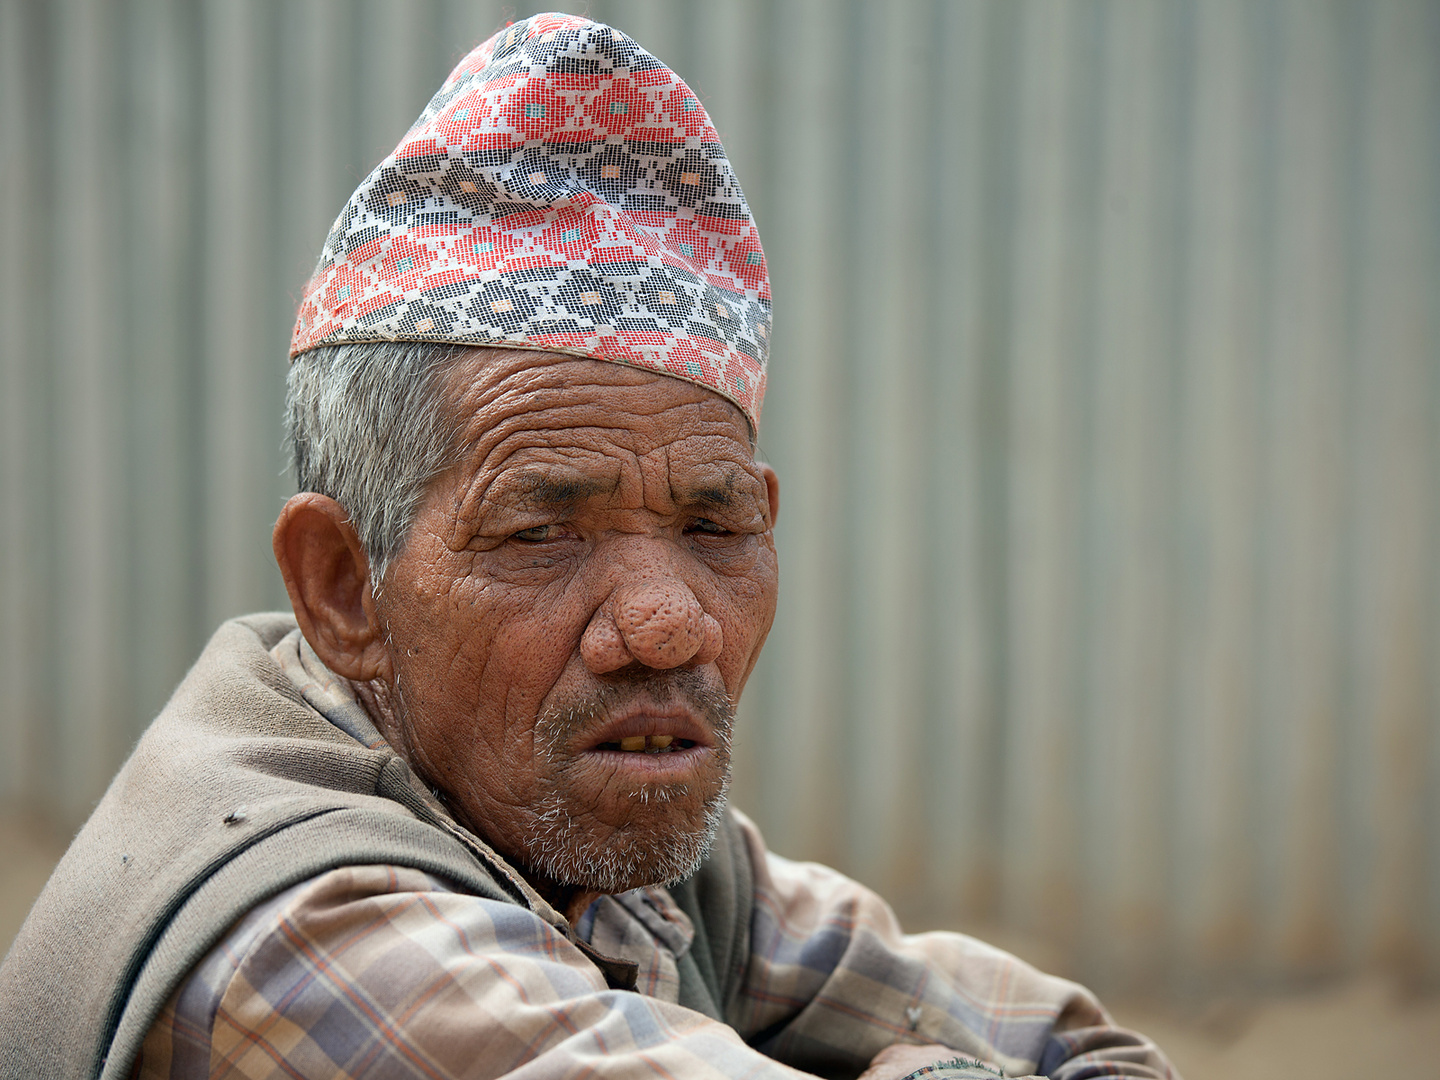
{"x":379,"y":970}
{"x":383,"y":971}
{"x":832,"y":982}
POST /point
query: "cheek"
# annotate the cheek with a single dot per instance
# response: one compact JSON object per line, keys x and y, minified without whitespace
{"x":469,"y":665}
{"x":471,"y":642}
{"x":744,"y":604}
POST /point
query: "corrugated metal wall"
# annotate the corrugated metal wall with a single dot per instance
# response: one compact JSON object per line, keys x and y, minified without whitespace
{"x":1105,"y":393}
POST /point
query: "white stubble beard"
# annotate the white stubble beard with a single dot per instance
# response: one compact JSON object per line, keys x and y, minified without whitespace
{"x":565,"y":851}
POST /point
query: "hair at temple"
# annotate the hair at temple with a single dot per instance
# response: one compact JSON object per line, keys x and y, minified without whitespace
{"x":367,"y":425}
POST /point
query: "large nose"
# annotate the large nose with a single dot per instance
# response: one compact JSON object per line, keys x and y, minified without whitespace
{"x":658,"y":624}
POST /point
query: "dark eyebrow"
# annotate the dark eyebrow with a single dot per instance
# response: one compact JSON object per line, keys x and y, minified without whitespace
{"x":721,"y":492}
{"x":705,"y":496}
{"x":547,"y":491}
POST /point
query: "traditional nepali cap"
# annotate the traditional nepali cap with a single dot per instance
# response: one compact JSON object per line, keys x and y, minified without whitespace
{"x":563,"y":191}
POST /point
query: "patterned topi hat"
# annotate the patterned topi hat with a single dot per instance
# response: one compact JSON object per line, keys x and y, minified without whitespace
{"x":563,"y":191}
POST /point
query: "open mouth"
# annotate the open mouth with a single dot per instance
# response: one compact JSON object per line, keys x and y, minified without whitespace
{"x":647,"y":744}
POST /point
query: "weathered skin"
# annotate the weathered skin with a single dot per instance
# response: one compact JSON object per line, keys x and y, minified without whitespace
{"x":603,"y":524}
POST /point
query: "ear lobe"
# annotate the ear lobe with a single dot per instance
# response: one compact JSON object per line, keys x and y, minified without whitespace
{"x":327,"y":575}
{"x":772,"y":490}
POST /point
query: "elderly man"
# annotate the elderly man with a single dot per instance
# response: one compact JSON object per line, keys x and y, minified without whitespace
{"x":464,"y":813}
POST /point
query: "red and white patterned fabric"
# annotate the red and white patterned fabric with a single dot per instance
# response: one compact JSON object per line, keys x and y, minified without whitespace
{"x":563,"y":191}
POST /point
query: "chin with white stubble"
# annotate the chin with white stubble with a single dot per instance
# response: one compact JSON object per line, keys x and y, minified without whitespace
{"x":636,"y":783}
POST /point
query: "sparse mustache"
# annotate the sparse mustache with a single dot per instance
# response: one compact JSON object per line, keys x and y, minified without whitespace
{"x":659,"y":688}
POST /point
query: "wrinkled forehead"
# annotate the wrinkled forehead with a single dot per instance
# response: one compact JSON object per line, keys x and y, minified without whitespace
{"x":543,"y":413}
{"x":554,"y":435}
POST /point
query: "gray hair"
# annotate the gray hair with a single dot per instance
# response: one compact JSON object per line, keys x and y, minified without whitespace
{"x":369,"y":425}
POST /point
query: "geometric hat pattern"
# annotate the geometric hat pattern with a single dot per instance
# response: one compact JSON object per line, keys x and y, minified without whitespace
{"x":563,"y":191}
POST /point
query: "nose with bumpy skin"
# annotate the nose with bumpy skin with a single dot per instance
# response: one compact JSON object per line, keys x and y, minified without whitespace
{"x":658,"y":625}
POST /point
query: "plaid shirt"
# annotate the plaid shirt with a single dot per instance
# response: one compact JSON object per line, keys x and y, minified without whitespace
{"x":385,"y":971}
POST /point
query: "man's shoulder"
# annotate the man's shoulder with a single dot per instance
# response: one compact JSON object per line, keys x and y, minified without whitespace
{"x":237,"y":790}
{"x":235,"y":753}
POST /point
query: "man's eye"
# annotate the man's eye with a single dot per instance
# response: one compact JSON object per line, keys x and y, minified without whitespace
{"x":705,"y":525}
{"x":537,"y":533}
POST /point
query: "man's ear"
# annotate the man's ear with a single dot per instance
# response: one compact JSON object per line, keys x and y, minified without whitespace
{"x":772,"y":491}
{"x":327,"y":575}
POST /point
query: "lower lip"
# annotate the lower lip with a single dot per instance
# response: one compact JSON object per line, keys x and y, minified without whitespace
{"x":676,"y":761}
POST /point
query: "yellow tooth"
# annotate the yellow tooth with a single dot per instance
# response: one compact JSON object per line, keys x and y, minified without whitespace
{"x":659,"y":742}
{"x":633,"y":742}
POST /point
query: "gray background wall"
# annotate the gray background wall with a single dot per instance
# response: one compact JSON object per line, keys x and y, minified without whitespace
{"x":1105,"y":393}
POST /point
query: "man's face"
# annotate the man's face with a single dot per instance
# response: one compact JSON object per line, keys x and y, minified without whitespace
{"x":577,"y":608}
